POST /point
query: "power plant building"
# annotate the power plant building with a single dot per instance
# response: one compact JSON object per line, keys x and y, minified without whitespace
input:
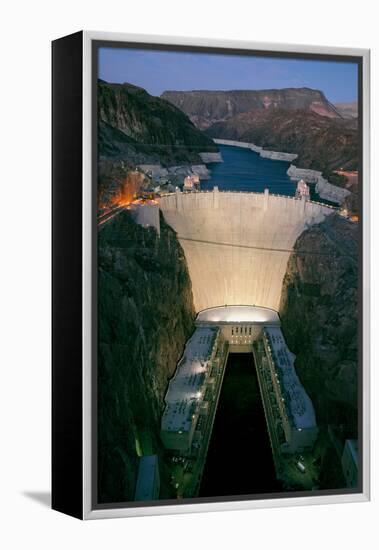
{"x":192,"y":396}
{"x":240,"y":325}
{"x":185,"y":395}
{"x":289,"y":409}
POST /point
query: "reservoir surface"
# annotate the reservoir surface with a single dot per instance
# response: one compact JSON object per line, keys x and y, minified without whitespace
{"x":244,"y":170}
{"x":239,"y":460}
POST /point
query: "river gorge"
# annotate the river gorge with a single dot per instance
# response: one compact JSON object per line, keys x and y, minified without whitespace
{"x":236,"y":245}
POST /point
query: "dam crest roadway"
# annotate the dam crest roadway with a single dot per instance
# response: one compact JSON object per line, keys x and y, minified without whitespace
{"x":237,"y":244}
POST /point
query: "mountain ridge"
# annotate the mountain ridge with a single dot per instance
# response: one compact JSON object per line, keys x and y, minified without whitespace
{"x":142,"y":128}
{"x":348,"y":109}
{"x":206,"y":107}
{"x":321,"y":143}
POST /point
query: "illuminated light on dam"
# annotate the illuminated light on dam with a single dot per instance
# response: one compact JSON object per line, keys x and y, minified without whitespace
{"x":238,"y":314}
{"x":240,"y":325}
{"x":237,"y":244}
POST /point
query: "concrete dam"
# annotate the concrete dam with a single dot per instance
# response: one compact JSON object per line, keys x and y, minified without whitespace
{"x":237,"y":244}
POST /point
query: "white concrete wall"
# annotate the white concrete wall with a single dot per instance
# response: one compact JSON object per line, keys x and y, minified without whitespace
{"x":147,"y":215}
{"x":218,"y":232}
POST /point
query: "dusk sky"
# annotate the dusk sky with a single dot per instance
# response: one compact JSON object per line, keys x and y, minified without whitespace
{"x":157,"y":71}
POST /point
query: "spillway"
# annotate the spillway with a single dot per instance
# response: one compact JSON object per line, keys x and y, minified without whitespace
{"x":237,"y":244}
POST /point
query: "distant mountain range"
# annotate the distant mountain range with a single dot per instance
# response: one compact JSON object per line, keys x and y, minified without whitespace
{"x":205,"y":107}
{"x":292,"y":120}
{"x":172,"y":130}
{"x":321,"y":143}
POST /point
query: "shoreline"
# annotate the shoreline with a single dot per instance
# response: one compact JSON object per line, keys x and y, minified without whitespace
{"x":264,"y":153}
{"x":201,"y":170}
{"x":324,"y":188}
{"x":157,"y":170}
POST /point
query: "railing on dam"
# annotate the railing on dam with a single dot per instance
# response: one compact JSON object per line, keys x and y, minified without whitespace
{"x":207,"y":191}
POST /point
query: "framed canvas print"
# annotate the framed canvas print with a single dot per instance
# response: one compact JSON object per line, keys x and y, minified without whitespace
{"x":210,"y":275}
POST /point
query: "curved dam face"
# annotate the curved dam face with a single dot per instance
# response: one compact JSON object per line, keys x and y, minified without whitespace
{"x":237,"y":244}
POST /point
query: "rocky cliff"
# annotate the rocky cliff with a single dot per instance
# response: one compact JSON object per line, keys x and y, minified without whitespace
{"x":348,"y":110}
{"x":140,"y":339}
{"x":206,"y":107}
{"x":319,"y":312}
{"x":321,"y":143}
{"x":140,"y":128}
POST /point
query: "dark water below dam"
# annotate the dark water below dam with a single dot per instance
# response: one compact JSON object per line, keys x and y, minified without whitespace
{"x":244,"y":170}
{"x":239,"y":460}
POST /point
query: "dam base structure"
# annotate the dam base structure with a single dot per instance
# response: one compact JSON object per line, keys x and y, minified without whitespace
{"x":191,"y":401}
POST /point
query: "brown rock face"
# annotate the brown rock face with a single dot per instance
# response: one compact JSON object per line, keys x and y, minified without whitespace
{"x":348,"y":110}
{"x":319,"y":313}
{"x":321,"y":143}
{"x":208,"y":107}
{"x":145,"y":314}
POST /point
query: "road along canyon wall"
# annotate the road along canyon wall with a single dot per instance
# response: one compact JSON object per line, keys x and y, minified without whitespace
{"x":237,"y":245}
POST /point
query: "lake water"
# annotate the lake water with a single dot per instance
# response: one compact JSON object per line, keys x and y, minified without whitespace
{"x":244,"y":170}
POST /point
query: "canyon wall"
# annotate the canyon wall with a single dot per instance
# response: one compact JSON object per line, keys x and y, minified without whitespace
{"x":157,"y":170}
{"x":140,"y":128}
{"x":320,"y":143}
{"x":348,"y":110}
{"x":145,"y":315}
{"x":319,"y":314}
